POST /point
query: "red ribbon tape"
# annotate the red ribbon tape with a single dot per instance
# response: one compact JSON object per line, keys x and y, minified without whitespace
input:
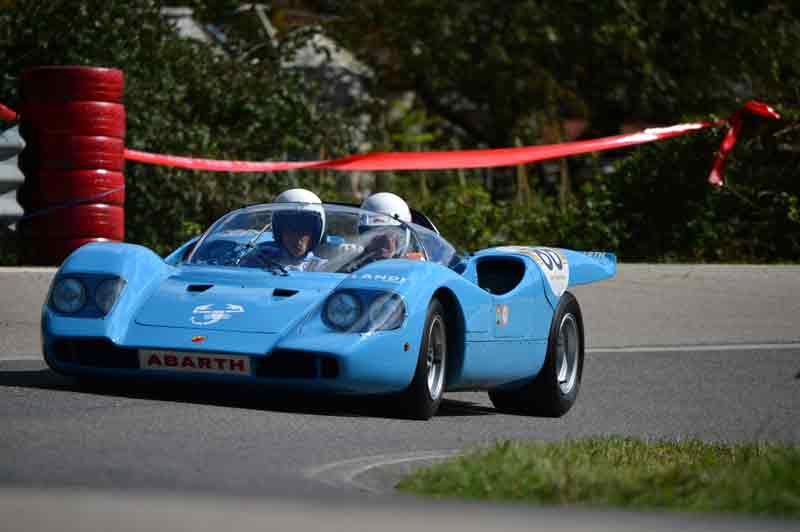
{"x":214,"y":165}
{"x":716,"y":176}
{"x":444,"y":160}
{"x":7,"y":114}
{"x":430,"y":160}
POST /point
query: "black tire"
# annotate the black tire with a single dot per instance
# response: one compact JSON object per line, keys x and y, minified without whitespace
{"x":552,"y":392}
{"x":421,"y":400}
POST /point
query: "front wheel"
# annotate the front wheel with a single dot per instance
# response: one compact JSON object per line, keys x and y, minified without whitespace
{"x":555,"y":389}
{"x":422,"y":398}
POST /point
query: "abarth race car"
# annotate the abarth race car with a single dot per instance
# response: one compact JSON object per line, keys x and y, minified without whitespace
{"x":378,"y":307}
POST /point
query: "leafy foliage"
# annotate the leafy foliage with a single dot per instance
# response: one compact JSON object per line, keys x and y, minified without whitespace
{"x":471,"y":220}
{"x":663,"y":208}
{"x":656,"y":205}
{"x":496,"y":69}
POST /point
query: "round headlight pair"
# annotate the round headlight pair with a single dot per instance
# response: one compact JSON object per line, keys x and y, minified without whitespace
{"x":69,"y":294}
{"x":344,"y":311}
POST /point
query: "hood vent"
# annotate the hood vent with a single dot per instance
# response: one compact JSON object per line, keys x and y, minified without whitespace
{"x":198,"y":287}
{"x":283,"y":292}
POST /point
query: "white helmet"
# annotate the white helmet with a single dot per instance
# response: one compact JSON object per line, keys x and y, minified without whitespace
{"x":388,"y":203}
{"x":387,"y":210}
{"x":297,"y":195}
{"x":310,"y":216}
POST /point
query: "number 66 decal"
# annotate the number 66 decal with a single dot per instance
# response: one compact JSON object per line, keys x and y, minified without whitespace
{"x":549,"y":258}
{"x":551,"y":262}
{"x":554,"y":266}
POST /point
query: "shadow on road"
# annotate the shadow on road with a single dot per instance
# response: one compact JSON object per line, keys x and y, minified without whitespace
{"x":245,"y":396}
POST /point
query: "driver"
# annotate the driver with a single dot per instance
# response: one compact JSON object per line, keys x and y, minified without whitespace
{"x":297,"y":230}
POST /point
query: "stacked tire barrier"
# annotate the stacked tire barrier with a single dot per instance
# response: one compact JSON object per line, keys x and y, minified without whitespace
{"x":73,"y":123}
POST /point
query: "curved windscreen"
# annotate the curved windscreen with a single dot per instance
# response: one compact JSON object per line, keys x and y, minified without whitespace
{"x":313,"y":238}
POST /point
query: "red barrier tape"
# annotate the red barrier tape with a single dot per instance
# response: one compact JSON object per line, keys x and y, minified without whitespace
{"x":734,"y":127}
{"x":444,"y":160}
{"x":430,"y":160}
{"x":7,"y":114}
{"x":214,"y":165}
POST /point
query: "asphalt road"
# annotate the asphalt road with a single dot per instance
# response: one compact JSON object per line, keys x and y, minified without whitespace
{"x":675,"y":352}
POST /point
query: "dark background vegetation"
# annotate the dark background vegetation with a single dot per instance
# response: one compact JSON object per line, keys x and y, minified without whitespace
{"x":444,"y":74}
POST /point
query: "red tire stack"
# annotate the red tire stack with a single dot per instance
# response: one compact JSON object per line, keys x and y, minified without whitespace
{"x":73,"y":122}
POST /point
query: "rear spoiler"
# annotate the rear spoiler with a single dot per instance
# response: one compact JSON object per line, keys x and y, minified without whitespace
{"x":590,"y":266}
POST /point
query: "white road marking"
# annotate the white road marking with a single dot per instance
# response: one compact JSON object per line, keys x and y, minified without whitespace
{"x":28,"y":269}
{"x":692,"y":348}
{"x":347,"y":471}
{"x":38,"y":358}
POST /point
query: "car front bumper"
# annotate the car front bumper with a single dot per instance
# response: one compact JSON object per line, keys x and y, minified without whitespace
{"x":317,"y":361}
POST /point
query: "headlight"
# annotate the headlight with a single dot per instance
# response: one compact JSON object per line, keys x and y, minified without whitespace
{"x":342,"y":310}
{"x":386,"y":312}
{"x":69,"y":295}
{"x":107,"y":292}
{"x":363,"y":311}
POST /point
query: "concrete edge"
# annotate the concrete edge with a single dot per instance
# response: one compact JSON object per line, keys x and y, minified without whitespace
{"x":80,"y":509}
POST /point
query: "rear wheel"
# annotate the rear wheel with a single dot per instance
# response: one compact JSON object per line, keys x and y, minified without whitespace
{"x":424,"y":395}
{"x":555,"y":389}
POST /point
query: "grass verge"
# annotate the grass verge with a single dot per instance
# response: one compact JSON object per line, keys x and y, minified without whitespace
{"x":693,"y":476}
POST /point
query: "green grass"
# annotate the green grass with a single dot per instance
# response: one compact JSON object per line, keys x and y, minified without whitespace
{"x":689,"y":476}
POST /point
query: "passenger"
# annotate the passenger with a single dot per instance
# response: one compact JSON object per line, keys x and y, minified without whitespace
{"x":389,"y":239}
{"x":388,"y":203}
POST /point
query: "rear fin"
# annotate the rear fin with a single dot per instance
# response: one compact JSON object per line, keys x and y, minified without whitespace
{"x":590,"y":266}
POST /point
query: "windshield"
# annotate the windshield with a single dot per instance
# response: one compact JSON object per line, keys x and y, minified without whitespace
{"x":305,"y":237}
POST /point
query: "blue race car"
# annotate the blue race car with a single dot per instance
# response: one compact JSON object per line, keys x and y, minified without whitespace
{"x":364,"y":304}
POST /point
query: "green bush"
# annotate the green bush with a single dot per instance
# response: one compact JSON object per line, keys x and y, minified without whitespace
{"x":657,"y":205}
{"x":664,"y":209}
{"x":471,"y":220}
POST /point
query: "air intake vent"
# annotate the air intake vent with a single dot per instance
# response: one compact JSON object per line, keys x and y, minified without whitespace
{"x":96,"y":353}
{"x":283,"y":292}
{"x":199,"y":287}
{"x":289,"y":364}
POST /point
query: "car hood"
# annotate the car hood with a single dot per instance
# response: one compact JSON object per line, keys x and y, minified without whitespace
{"x":241,"y":300}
